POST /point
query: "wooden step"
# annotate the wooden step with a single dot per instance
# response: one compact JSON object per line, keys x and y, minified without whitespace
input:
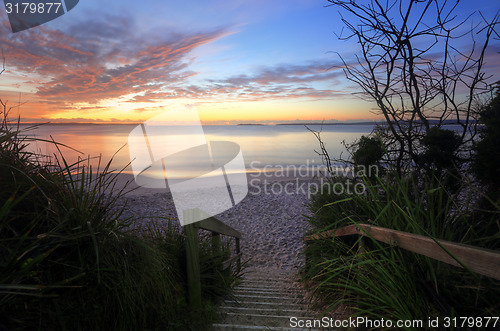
{"x":264,"y":305}
{"x":264,"y":302}
{"x":235,"y":327}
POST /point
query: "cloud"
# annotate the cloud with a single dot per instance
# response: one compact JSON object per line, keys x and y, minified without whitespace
{"x":288,"y":73}
{"x":107,"y":57}
{"x":43,"y":120}
{"x":284,"y":81}
{"x":281,"y":81}
{"x":100,"y":58}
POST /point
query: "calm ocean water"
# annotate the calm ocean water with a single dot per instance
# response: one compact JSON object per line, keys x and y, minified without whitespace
{"x":261,"y":146}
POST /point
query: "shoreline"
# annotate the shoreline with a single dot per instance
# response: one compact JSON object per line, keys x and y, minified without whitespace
{"x":133,"y":189}
{"x":272,"y":222}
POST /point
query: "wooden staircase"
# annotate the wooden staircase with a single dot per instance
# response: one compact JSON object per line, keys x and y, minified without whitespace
{"x":264,"y":301}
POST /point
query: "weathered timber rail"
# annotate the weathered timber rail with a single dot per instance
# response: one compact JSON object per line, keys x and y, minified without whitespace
{"x":192,"y":251}
{"x":482,"y":261}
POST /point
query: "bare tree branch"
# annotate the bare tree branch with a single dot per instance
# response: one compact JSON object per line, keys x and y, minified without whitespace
{"x":414,"y":65}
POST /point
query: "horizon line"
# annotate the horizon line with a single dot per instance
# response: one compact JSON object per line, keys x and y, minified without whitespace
{"x":348,"y":122}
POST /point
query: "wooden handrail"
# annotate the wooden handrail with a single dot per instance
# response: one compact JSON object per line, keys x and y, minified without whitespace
{"x":192,"y":254}
{"x":214,"y":225}
{"x":483,"y":261}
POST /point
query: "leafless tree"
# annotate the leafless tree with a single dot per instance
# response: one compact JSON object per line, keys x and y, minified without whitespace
{"x":421,"y":64}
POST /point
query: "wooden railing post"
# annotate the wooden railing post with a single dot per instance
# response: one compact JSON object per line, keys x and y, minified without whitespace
{"x":215,"y":243}
{"x":216,"y":248}
{"x":238,"y":263}
{"x":192,"y":249}
{"x":361,"y":245}
{"x":361,"y":250}
{"x":192,"y":263}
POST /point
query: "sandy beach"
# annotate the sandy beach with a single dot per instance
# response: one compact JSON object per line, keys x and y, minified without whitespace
{"x":271,"y":218}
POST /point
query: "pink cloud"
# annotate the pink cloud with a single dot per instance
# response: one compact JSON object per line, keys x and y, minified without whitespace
{"x":109,"y":60}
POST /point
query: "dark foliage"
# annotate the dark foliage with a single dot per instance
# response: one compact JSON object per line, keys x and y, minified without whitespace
{"x":440,"y":149}
{"x":486,"y":163}
{"x":369,"y":151}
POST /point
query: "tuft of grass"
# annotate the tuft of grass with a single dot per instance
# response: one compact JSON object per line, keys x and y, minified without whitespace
{"x":70,"y":262}
{"x":383,"y":281}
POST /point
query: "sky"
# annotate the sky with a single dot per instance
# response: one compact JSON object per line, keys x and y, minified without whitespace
{"x":124,"y":61}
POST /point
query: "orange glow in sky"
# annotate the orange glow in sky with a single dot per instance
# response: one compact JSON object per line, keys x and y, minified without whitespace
{"x":245,"y":62}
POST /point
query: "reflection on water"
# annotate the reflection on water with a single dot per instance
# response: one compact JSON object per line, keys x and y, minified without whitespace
{"x":261,"y":145}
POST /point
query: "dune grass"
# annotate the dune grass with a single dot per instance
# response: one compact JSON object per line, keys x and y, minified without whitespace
{"x":388,"y":282}
{"x":70,"y":262}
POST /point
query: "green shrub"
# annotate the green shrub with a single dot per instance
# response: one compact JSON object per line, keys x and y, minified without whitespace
{"x":69,"y":261}
{"x":368,"y":151}
{"x":440,"y":149}
{"x":386,"y":281}
{"x":487,"y":152}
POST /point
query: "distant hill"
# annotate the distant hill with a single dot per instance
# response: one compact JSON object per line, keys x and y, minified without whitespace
{"x":431,"y":123}
{"x":335,"y":123}
{"x":251,"y":124}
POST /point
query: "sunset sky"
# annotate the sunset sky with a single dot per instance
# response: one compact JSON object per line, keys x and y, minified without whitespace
{"x":263,"y":61}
